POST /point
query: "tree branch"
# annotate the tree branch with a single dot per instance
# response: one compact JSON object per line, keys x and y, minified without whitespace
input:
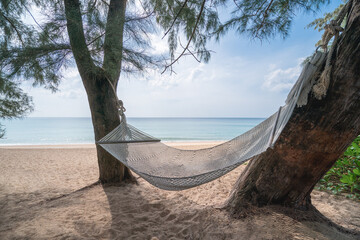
{"x":167,"y":1}
{"x":257,"y":11}
{"x":91,"y":8}
{"x":105,"y":3}
{"x":191,"y":53}
{"x":77,"y":38}
{"x":191,"y":37}
{"x":32,"y":16}
{"x":177,"y":15}
{"x":92,"y":41}
{"x":141,"y":18}
{"x":113,"y":43}
{"x":13,"y":25}
{"x":264,"y":17}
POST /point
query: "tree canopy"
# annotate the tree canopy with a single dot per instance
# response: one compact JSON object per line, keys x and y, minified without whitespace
{"x":14,"y":103}
{"x":35,"y":45}
{"x":39,"y":50}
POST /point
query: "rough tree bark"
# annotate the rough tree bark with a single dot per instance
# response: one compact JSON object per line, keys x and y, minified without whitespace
{"x":101,"y":97}
{"x":314,"y":138}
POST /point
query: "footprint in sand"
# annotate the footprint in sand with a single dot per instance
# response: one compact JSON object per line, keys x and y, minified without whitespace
{"x":164,"y":213}
{"x":171,"y":217}
{"x":151,"y":207}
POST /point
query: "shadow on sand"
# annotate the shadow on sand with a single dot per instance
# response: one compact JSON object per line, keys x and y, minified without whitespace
{"x":141,"y":212}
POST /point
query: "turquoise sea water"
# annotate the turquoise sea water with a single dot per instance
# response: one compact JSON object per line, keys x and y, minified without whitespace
{"x":35,"y":131}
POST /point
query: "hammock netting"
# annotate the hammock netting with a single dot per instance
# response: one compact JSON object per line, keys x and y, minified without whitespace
{"x":174,"y":169}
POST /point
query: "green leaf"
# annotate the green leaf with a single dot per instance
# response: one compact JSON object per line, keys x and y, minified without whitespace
{"x":347,"y":179}
{"x":356,"y":145}
{"x":357,"y":163}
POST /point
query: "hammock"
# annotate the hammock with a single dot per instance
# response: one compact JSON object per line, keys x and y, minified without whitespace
{"x":173,"y":169}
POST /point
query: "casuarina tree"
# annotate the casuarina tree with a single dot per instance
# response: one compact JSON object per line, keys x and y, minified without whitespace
{"x":41,"y":39}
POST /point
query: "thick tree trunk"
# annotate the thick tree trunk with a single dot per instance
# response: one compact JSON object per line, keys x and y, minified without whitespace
{"x":315,"y":136}
{"x":105,"y":117}
{"x":101,"y":96}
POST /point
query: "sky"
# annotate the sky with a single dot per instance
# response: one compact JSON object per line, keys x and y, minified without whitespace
{"x":244,"y":78}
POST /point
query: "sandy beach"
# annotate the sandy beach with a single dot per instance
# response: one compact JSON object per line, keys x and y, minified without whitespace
{"x":48,"y":192}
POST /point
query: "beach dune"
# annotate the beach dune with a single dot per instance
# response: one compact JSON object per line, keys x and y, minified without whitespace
{"x":50,"y":192}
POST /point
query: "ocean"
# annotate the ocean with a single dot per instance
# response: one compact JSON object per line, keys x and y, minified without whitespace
{"x":48,"y":131}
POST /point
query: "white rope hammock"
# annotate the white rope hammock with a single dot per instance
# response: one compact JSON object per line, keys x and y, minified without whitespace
{"x":173,"y":169}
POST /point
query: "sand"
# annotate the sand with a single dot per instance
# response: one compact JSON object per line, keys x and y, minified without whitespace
{"x":42,"y":196}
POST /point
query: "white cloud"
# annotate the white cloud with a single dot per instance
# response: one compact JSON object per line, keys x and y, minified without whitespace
{"x":279,"y":79}
{"x":159,"y":45}
{"x":71,"y":72}
{"x":186,"y":74}
{"x":224,"y":87}
{"x":72,"y":94}
{"x":71,"y":85}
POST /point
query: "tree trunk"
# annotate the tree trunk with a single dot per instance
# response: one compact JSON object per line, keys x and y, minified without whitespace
{"x":316,"y":135}
{"x":101,"y":96}
{"x":105,"y":117}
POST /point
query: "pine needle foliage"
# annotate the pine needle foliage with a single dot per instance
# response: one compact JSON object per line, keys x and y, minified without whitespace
{"x":264,"y":20}
{"x":196,"y":20}
{"x":35,"y":47}
{"x":199,"y":21}
{"x":320,"y":23}
{"x":14,"y":103}
{"x":40,"y":50}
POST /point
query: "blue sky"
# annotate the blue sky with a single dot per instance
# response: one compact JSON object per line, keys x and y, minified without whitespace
{"x":244,"y":78}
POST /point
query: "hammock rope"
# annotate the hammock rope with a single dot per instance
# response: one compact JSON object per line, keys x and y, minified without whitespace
{"x":333,"y":29}
{"x":174,"y":169}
